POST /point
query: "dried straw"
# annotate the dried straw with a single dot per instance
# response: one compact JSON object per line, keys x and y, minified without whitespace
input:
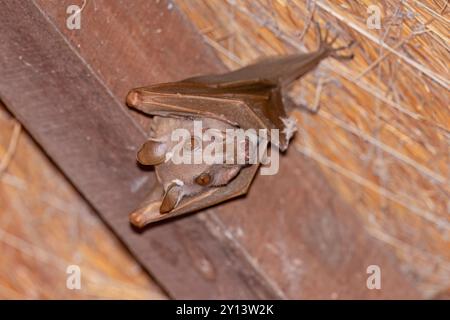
{"x":382,"y":135}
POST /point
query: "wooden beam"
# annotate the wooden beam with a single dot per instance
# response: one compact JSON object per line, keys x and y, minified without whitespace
{"x":82,"y":126}
{"x":292,"y":236}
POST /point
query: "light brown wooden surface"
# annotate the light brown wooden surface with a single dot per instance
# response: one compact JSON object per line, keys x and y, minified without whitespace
{"x":275,"y":264}
{"x":45,"y":226}
{"x":381,"y":138}
{"x":361,"y":184}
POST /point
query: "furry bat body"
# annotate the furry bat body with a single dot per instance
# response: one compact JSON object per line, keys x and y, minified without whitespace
{"x":248,"y":98}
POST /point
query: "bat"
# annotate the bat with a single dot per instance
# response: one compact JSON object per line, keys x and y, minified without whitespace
{"x":248,"y":98}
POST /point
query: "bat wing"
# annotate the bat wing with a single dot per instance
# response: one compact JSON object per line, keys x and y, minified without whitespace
{"x":248,"y":104}
{"x":278,"y":71}
{"x":237,"y":187}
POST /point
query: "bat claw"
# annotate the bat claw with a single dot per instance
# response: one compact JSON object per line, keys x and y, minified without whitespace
{"x":326,"y":44}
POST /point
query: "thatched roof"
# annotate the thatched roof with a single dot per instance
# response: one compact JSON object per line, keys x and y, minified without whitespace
{"x":382,"y":134}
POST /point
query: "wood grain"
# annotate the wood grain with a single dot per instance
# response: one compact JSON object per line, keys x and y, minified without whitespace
{"x":85,"y":130}
{"x":46,"y":226}
{"x":291,"y":237}
{"x":382,"y":147}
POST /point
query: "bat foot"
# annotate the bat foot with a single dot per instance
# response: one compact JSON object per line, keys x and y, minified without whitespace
{"x":310,"y":109}
{"x":315,"y":107}
{"x":326,"y":44}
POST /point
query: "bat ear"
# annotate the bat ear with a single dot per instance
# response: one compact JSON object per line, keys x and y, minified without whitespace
{"x":171,"y":198}
{"x":152,"y":152}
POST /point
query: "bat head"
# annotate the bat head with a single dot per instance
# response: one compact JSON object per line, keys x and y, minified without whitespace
{"x":174,"y":157}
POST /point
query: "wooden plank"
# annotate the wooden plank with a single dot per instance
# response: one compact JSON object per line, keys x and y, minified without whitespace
{"x":292,"y":235}
{"x":308,"y":240}
{"x":86,"y":131}
{"x":313,"y":228}
{"x":134,"y":43}
{"x":45,"y":226}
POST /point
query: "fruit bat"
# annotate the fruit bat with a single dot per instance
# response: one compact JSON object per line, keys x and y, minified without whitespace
{"x":248,"y":98}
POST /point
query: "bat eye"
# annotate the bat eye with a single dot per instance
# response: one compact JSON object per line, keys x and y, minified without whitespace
{"x":191,"y":144}
{"x":204,"y":179}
